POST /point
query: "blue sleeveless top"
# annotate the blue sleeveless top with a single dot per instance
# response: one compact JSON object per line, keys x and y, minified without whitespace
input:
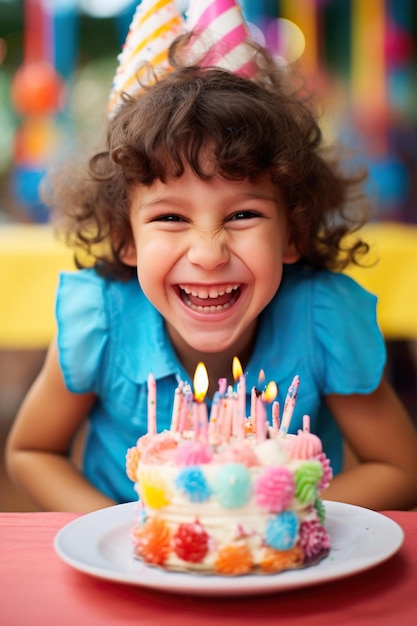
{"x":320,"y":325}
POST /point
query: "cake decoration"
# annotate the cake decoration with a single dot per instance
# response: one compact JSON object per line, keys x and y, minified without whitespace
{"x":229,"y":500}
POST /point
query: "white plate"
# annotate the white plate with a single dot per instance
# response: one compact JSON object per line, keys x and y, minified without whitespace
{"x":99,"y":544}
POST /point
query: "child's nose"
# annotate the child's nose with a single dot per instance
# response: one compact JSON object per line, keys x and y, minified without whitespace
{"x":209,"y":251}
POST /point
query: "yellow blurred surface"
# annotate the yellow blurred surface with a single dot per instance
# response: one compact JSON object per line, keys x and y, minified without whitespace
{"x":31,"y":259}
{"x":393,"y":277}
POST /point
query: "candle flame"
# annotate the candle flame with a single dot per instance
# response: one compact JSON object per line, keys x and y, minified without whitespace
{"x":201,"y":382}
{"x":236,"y":368}
{"x":261,"y":377}
{"x":270,"y":392}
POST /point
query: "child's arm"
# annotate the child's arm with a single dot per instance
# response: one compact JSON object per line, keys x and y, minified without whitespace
{"x":38,"y":446}
{"x":384,"y":439}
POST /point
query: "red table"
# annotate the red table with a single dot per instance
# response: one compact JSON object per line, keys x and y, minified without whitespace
{"x":36,"y":587}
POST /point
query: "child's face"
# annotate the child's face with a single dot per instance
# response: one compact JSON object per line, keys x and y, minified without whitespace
{"x":209,"y":256}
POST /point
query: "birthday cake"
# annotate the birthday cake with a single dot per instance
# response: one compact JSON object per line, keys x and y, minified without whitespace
{"x":230,"y":495}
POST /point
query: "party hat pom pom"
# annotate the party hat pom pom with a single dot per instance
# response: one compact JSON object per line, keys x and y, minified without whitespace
{"x":222,"y":36}
{"x":155,"y":25}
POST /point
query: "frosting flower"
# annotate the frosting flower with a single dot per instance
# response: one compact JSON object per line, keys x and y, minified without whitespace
{"x":307,"y":479}
{"x":132,"y":461}
{"x":152,"y":541}
{"x":190,"y":542}
{"x":193,"y":453}
{"x":152,"y":490}
{"x":192,"y":482}
{"x":278,"y":560}
{"x":233,"y":560}
{"x":313,"y":538}
{"x":327,"y":471}
{"x":282,"y":531}
{"x":274,"y":489}
{"x":159,"y":448}
{"x":320,"y":510}
{"x":304,"y":446}
{"x":232,"y":485}
{"x":238,"y":452}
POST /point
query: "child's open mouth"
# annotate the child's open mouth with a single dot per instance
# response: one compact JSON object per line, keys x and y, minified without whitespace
{"x":209,"y":299}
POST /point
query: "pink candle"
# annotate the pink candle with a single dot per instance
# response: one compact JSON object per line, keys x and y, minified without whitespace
{"x":196,"y":419}
{"x":275,"y":417}
{"x":222,"y":386}
{"x":151,"y":404}
{"x":185,"y":409}
{"x":214,"y":414}
{"x":203,"y":421}
{"x":227,"y":417}
{"x":201,"y":385}
{"x":253,"y":397}
{"x":220,"y":410}
{"x":289,"y":405}
{"x":260,"y":419}
{"x":241,"y":407}
{"x":176,"y":409}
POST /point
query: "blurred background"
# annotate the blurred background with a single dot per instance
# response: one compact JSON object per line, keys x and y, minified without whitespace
{"x":57,"y":60}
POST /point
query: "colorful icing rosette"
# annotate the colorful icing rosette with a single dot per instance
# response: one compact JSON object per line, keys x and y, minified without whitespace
{"x":155,"y":25}
{"x":222,"y":38}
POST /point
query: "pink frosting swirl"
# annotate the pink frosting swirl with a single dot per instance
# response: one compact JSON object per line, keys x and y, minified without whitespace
{"x":193,"y":453}
{"x":144,"y":441}
{"x":313,"y":538}
{"x":159,"y":448}
{"x":274,"y":489}
{"x":304,"y":446}
{"x":238,"y":452}
{"x":327,"y":471}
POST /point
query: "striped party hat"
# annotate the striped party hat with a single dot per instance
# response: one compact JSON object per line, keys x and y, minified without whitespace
{"x":222,"y":36}
{"x":155,"y":24}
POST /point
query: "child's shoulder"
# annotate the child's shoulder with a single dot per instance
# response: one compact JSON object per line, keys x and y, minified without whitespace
{"x":318,"y":286}
{"x":84,"y":295}
{"x":87,"y":285}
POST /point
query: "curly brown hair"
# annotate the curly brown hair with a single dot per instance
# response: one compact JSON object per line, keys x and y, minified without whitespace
{"x":253,"y":126}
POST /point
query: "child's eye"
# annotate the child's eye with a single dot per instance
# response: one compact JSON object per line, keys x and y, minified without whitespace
{"x":244,"y":215}
{"x":169,"y":217}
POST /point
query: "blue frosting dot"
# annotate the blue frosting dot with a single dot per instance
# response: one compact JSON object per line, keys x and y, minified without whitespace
{"x":282,"y":530}
{"x":192,"y":482}
{"x":232,"y":485}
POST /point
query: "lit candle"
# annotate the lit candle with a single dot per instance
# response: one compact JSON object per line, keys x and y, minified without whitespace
{"x":201,"y":384}
{"x":289,"y":405}
{"x":151,"y":404}
{"x":263,"y":399}
{"x":239,"y":429}
{"x":254,"y":394}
